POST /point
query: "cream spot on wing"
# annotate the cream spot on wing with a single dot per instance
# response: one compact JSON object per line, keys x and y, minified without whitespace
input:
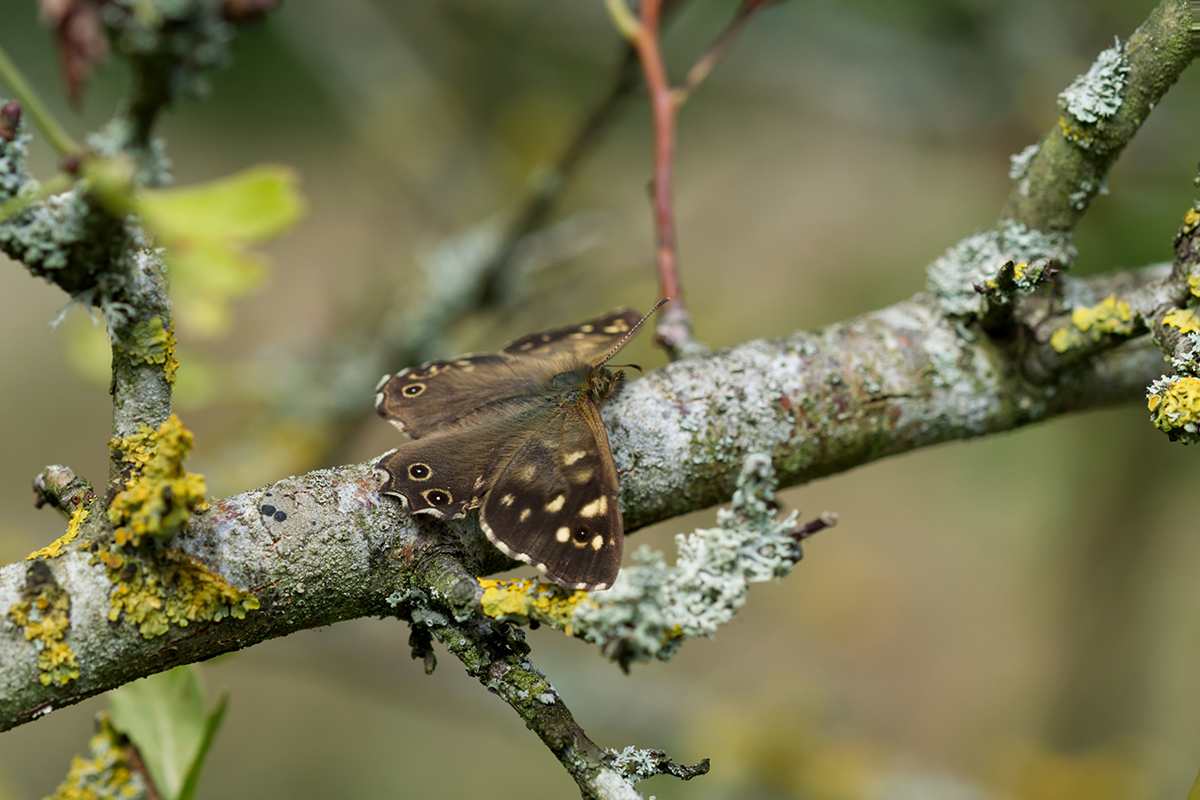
{"x":526,"y":346}
{"x":597,"y":542}
{"x":582,"y":476}
{"x":571,"y":458}
{"x":595,"y":508}
{"x":617,"y":327}
{"x":525,"y":514}
{"x":556,"y":505}
{"x":528,"y":473}
{"x":587,"y":328}
{"x":507,"y":500}
{"x":563,"y":534}
{"x":479,"y":482}
{"x":577,"y":335}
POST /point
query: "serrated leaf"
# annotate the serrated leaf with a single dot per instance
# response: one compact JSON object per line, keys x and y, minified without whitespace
{"x":164,"y":717}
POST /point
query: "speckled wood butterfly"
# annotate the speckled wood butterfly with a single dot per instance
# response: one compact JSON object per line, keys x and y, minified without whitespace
{"x":518,"y":433}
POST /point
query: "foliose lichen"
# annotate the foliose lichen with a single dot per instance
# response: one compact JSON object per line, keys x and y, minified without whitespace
{"x":1183,"y":319}
{"x":1174,"y":403}
{"x":154,"y":591}
{"x":1097,"y":94}
{"x":44,"y":615}
{"x":1018,"y":163}
{"x":1090,"y":324}
{"x":652,"y":606}
{"x":106,"y":774}
{"x":155,"y":588}
{"x":953,"y":275}
{"x":523,"y":601}
{"x":59,"y":545}
{"x":149,"y":342}
{"x":159,"y":495}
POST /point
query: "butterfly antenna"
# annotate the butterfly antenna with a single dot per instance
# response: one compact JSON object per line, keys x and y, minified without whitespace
{"x":632,"y":331}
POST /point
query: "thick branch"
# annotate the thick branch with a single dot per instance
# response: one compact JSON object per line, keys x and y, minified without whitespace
{"x":332,"y":548}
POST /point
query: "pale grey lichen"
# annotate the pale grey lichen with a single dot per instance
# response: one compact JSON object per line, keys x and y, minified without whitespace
{"x":1097,"y":94}
{"x":1186,"y":359}
{"x":1018,"y":164}
{"x":953,"y":275}
{"x":652,"y":607}
{"x":636,"y":764}
{"x":115,"y":139}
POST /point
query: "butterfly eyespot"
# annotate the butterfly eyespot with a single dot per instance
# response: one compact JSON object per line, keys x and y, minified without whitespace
{"x":419,"y":472}
{"x":414,"y":389}
{"x":580,"y":534}
{"x":437,"y":497}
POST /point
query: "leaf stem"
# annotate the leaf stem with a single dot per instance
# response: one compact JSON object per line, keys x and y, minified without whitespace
{"x":55,"y":133}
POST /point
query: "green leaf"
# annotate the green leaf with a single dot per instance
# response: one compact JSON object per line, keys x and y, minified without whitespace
{"x":164,"y":716}
{"x":212,"y":722}
{"x":251,"y":206}
{"x":207,"y":229}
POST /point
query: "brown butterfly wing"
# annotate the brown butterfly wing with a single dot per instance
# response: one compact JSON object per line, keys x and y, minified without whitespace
{"x":435,"y":395}
{"x":588,"y":342}
{"x":447,"y":473}
{"x":554,"y":502}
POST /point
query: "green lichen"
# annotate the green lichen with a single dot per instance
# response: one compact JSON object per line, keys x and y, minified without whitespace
{"x":159,"y":495}
{"x":1109,"y":317}
{"x":1174,"y":404}
{"x":165,"y":587}
{"x":107,"y":774}
{"x":59,"y":545}
{"x":152,"y":343}
{"x":525,"y":600}
{"x":1184,"y":320}
{"x":44,"y":615}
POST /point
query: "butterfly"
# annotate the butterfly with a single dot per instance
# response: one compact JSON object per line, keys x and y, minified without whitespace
{"x":518,"y":434}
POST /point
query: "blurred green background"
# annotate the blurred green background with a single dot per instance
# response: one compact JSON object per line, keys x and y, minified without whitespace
{"x":1008,"y":618}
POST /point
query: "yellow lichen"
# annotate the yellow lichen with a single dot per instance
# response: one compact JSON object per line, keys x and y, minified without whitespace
{"x":1109,"y":316}
{"x":58,"y":546}
{"x":106,"y":774}
{"x":169,"y":588}
{"x":1176,"y":406}
{"x":159,"y":496}
{"x":1190,"y":220}
{"x":151,"y":343}
{"x":1181,"y":318}
{"x":523,"y":600}
{"x":1194,"y":284}
{"x":44,"y":614}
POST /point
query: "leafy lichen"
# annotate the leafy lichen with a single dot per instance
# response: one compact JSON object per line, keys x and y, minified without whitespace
{"x":159,"y":495}
{"x":155,"y":587}
{"x":151,"y":343}
{"x":1184,"y":320}
{"x":1174,"y":404}
{"x":523,"y":601}
{"x":44,"y":615}
{"x":1108,"y":317}
{"x":152,"y":592}
{"x":106,"y":775}
{"x":59,"y":545}
{"x":1097,"y":94}
{"x":652,"y":606}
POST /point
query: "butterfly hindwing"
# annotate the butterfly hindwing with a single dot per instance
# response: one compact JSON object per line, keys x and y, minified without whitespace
{"x":554,"y":502}
{"x":447,"y":473}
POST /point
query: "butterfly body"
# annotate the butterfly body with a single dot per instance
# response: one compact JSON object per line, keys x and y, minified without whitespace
{"x":518,"y":434}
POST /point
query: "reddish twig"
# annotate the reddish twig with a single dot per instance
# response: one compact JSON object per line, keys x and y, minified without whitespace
{"x":674,"y":330}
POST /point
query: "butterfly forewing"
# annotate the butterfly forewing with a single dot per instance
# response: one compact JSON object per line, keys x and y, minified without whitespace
{"x":588,"y":342}
{"x":554,"y":503}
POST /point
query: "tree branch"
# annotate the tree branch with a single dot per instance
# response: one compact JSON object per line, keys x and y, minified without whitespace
{"x":329,"y":547}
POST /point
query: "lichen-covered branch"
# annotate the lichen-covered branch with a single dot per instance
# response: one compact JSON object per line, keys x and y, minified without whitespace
{"x":326,"y":546}
{"x":1058,"y":178}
